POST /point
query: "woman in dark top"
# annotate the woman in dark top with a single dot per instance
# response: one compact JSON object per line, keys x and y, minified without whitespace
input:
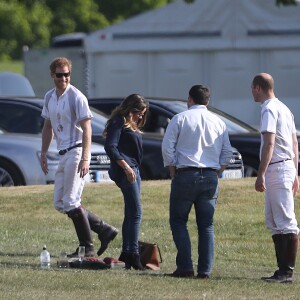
{"x":124,"y":147}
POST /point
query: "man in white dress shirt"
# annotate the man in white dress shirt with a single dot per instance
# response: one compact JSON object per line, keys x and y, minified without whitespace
{"x":196,"y":149}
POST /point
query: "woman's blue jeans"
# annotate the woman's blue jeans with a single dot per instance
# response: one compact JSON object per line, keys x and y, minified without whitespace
{"x":132,"y":212}
{"x":198,"y":188}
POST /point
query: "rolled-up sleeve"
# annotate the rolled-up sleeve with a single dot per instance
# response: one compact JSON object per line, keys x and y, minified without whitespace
{"x":226,"y":152}
{"x":169,"y":143}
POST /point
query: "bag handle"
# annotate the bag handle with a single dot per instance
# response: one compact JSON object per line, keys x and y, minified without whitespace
{"x":159,"y":253}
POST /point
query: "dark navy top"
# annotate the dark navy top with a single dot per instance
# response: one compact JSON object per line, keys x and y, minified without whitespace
{"x":122,"y":143}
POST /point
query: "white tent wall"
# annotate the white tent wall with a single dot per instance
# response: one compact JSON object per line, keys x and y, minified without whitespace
{"x":37,"y":62}
{"x":220,"y":43}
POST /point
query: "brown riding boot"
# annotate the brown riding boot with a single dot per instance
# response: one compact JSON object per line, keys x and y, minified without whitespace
{"x":83,"y":231}
{"x":106,"y":233}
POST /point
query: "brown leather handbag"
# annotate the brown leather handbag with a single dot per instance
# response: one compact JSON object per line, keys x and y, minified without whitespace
{"x":150,"y":255}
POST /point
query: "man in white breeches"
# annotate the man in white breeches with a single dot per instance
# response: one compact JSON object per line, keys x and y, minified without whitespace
{"x":279,"y":207}
{"x":68,"y":117}
{"x":278,"y":175}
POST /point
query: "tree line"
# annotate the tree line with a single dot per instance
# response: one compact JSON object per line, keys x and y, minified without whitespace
{"x":35,"y":22}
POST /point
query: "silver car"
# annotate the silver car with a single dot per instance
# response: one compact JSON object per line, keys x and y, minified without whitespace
{"x":20,"y":161}
{"x":14,"y":84}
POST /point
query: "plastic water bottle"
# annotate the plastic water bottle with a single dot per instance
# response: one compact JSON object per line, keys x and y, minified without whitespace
{"x":45,"y":258}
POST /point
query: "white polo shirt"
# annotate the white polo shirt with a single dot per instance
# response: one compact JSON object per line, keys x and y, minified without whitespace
{"x":65,"y":113}
{"x":277,"y":118}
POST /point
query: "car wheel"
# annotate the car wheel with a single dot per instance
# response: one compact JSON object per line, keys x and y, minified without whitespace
{"x":9,"y":174}
{"x":249,"y":171}
{"x":145,"y":174}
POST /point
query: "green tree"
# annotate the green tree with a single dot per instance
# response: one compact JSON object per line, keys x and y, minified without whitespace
{"x":39,"y":18}
{"x":118,"y":10}
{"x":278,"y":2}
{"x":286,"y":2}
{"x":35,"y":22}
{"x":75,"y":16}
{"x":20,"y":26}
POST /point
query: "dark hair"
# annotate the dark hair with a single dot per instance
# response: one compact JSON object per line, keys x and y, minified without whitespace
{"x":60,"y":62}
{"x":200,"y":94}
{"x":265,"y":82}
{"x":132,"y":103}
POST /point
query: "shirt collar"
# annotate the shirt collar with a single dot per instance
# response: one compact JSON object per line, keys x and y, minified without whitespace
{"x":198,"y":106}
{"x":267,"y":101}
{"x":67,"y":88}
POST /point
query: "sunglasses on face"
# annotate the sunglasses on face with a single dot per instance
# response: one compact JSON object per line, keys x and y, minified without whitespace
{"x":60,"y":75}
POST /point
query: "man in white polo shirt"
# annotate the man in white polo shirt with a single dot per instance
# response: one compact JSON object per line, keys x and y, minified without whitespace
{"x":68,"y":118}
{"x":278,"y":175}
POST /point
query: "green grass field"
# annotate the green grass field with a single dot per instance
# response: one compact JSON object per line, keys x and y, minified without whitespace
{"x":12,"y":66}
{"x":243,"y":253}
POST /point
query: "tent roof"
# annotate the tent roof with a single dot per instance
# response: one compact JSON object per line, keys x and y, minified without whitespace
{"x":203,"y":25}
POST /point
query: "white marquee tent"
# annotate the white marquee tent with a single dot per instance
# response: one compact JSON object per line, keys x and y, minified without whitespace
{"x":220,"y":43}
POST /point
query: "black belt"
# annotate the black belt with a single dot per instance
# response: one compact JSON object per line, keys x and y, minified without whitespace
{"x":195,"y":169}
{"x":63,"y":152}
{"x":276,"y":162}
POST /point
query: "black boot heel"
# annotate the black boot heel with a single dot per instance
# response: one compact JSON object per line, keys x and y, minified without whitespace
{"x":124,"y":257}
{"x":135,"y":262}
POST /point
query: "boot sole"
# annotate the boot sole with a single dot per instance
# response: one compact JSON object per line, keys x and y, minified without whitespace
{"x":277,"y":280}
{"x":112,"y":237}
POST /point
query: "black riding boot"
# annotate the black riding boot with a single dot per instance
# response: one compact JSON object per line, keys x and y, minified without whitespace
{"x":106,"y":233}
{"x":280,"y":249}
{"x":286,"y":246}
{"x":83,"y":231}
{"x":291,"y":253}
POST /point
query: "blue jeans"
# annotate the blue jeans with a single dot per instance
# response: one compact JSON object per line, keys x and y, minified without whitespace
{"x":132,"y":212}
{"x":198,"y":187}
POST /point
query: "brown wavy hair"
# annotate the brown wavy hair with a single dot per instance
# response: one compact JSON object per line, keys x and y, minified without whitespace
{"x":132,"y":103}
{"x":60,"y":62}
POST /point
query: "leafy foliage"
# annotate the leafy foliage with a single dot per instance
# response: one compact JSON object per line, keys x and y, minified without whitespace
{"x":286,"y":2}
{"x":34,"y":22}
{"x":118,"y":10}
{"x":75,"y":16}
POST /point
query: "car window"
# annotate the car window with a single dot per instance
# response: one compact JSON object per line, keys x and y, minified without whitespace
{"x":172,"y":106}
{"x":104,"y":107}
{"x":156,"y":121}
{"x":98,"y":121}
{"x":161,"y":112}
{"x":20,"y":119}
{"x":233,"y":125}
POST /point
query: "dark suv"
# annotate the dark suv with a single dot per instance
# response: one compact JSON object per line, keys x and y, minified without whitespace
{"x":242,"y":136}
{"x":160,"y":113}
